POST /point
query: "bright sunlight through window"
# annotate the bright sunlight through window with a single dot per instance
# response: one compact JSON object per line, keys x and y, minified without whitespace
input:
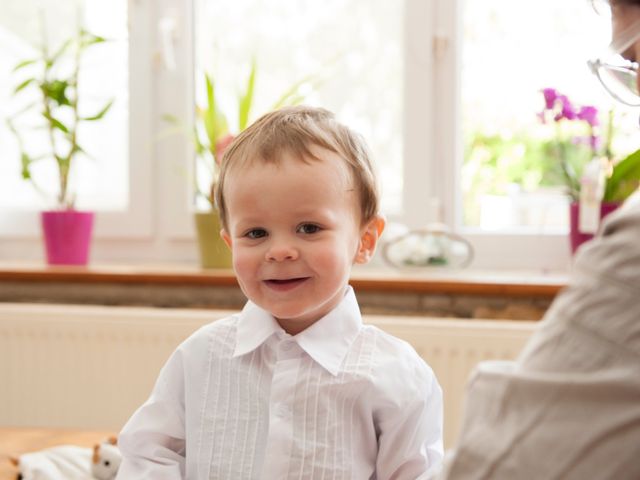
{"x":345,"y":55}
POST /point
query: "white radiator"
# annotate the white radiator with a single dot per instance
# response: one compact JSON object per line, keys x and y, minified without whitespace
{"x":91,"y":366}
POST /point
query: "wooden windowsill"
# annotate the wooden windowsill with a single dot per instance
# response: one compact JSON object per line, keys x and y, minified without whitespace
{"x":466,"y":282}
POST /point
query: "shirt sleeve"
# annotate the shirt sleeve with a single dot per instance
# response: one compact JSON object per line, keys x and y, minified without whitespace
{"x":568,"y":407}
{"x":410,"y":427}
{"x":153,"y":440}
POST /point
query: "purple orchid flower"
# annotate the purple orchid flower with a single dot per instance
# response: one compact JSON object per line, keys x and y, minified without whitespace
{"x":550,"y":96}
{"x":568,"y":111}
{"x":589,"y":114}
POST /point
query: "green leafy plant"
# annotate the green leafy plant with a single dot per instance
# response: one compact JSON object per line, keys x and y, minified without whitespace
{"x":624,"y":179}
{"x":52,"y":77}
{"x":211,"y":132}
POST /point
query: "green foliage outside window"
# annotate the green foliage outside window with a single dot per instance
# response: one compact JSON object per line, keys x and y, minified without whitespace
{"x":495,"y":163}
{"x":550,"y":155}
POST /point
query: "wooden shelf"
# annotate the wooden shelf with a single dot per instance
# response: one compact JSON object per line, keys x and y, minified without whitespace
{"x":508,"y":284}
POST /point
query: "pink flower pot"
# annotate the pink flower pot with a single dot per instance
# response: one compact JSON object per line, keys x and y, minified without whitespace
{"x":578,"y":238}
{"x":67,"y":236}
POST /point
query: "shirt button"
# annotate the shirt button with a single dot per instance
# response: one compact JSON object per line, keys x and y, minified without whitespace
{"x":287,"y":346}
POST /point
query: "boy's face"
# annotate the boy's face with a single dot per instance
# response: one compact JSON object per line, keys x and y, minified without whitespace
{"x":294,"y":230}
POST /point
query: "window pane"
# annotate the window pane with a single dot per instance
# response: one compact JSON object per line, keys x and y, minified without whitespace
{"x":350,"y":49}
{"x":101,"y":177}
{"x":512,"y":50}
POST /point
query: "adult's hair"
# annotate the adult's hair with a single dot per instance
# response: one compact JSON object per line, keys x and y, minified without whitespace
{"x":295,"y":131}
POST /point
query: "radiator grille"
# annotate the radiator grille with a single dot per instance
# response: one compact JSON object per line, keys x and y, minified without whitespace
{"x":90,"y":366}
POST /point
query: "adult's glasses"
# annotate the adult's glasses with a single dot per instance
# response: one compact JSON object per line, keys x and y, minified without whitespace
{"x":620,"y":79}
{"x":618,"y":75}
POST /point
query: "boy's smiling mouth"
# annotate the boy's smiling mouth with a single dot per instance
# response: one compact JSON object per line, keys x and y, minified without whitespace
{"x":285,"y":284}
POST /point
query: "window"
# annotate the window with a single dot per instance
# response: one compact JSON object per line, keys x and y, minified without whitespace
{"x":354,"y":68}
{"x":420,"y":80}
{"x":105,"y":180}
{"x":104,"y":176}
{"x":502,"y":55}
{"x":507,"y":180}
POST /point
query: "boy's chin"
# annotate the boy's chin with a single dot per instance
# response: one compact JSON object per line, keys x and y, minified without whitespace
{"x":295,"y":321}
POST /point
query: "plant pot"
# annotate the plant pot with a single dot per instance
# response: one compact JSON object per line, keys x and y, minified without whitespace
{"x":67,"y":236}
{"x":214,"y":253}
{"x":578,"y":238}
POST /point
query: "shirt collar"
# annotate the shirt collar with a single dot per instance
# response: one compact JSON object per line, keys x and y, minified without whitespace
{"x":327,"y":341}
{"x":254,"y":327}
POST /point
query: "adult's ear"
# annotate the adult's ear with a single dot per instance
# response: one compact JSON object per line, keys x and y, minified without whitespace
{"x":369,"y":237}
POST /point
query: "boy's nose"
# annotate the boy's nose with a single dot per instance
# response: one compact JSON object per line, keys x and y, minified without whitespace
{"x":280,"y":252}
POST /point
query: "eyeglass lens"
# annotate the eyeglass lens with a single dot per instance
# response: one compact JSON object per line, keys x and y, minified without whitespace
{"x":621,"y":82}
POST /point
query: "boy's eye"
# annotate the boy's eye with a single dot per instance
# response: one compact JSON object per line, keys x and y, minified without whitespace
{"x":256,"y":233}
{"x":308,"y":228}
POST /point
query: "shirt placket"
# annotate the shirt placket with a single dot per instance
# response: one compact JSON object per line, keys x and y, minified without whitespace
{"x":281,"y":407}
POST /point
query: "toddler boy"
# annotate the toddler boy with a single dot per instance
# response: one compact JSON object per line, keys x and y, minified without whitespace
{"x":294,"y":386}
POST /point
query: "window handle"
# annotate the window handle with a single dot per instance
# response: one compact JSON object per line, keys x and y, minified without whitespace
{"x":440,"y":46}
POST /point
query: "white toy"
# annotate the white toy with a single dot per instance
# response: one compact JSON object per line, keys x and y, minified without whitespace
{"x":68,"y":462}
{"x":106,"y":460}
{"x":65,"y":462}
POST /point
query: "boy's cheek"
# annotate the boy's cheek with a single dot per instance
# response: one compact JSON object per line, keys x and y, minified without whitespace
{"x":243,"y":264}
{"x":247,"y":276}
{"x":333,"y":260}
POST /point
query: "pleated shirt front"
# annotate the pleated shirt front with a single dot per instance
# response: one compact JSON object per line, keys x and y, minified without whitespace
{"x":242,"y":399}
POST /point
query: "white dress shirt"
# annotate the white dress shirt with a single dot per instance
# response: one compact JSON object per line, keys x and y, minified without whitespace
{"x":569,"y":407}
{"x":242,"y":399}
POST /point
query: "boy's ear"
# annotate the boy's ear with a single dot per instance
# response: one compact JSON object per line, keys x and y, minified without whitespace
{"x":225,"y":237}
{"x":369,"y":239}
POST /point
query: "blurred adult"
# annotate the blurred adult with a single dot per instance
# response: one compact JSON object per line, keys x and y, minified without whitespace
{"x":569,"y":407}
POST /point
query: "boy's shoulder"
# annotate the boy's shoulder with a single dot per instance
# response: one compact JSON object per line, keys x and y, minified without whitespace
{"x":393,"y":352}
{"x":395,"y":364}
{"x":387,"y":342}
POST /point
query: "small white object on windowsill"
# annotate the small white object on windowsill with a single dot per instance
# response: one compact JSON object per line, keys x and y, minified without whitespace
{"x":592,"y":186}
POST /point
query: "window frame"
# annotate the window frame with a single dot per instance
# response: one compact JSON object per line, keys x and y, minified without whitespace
{"x":497,"y":250}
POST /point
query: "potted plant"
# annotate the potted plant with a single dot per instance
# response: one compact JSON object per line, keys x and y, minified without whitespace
{"x":211,"y":135}
{"x":582,"y":153}
{"x":52,"y":79}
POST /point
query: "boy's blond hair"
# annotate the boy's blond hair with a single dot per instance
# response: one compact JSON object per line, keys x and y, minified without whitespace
{"x":295,"y":130}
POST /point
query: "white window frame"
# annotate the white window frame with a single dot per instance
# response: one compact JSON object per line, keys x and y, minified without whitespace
{"x":432,"y":188}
